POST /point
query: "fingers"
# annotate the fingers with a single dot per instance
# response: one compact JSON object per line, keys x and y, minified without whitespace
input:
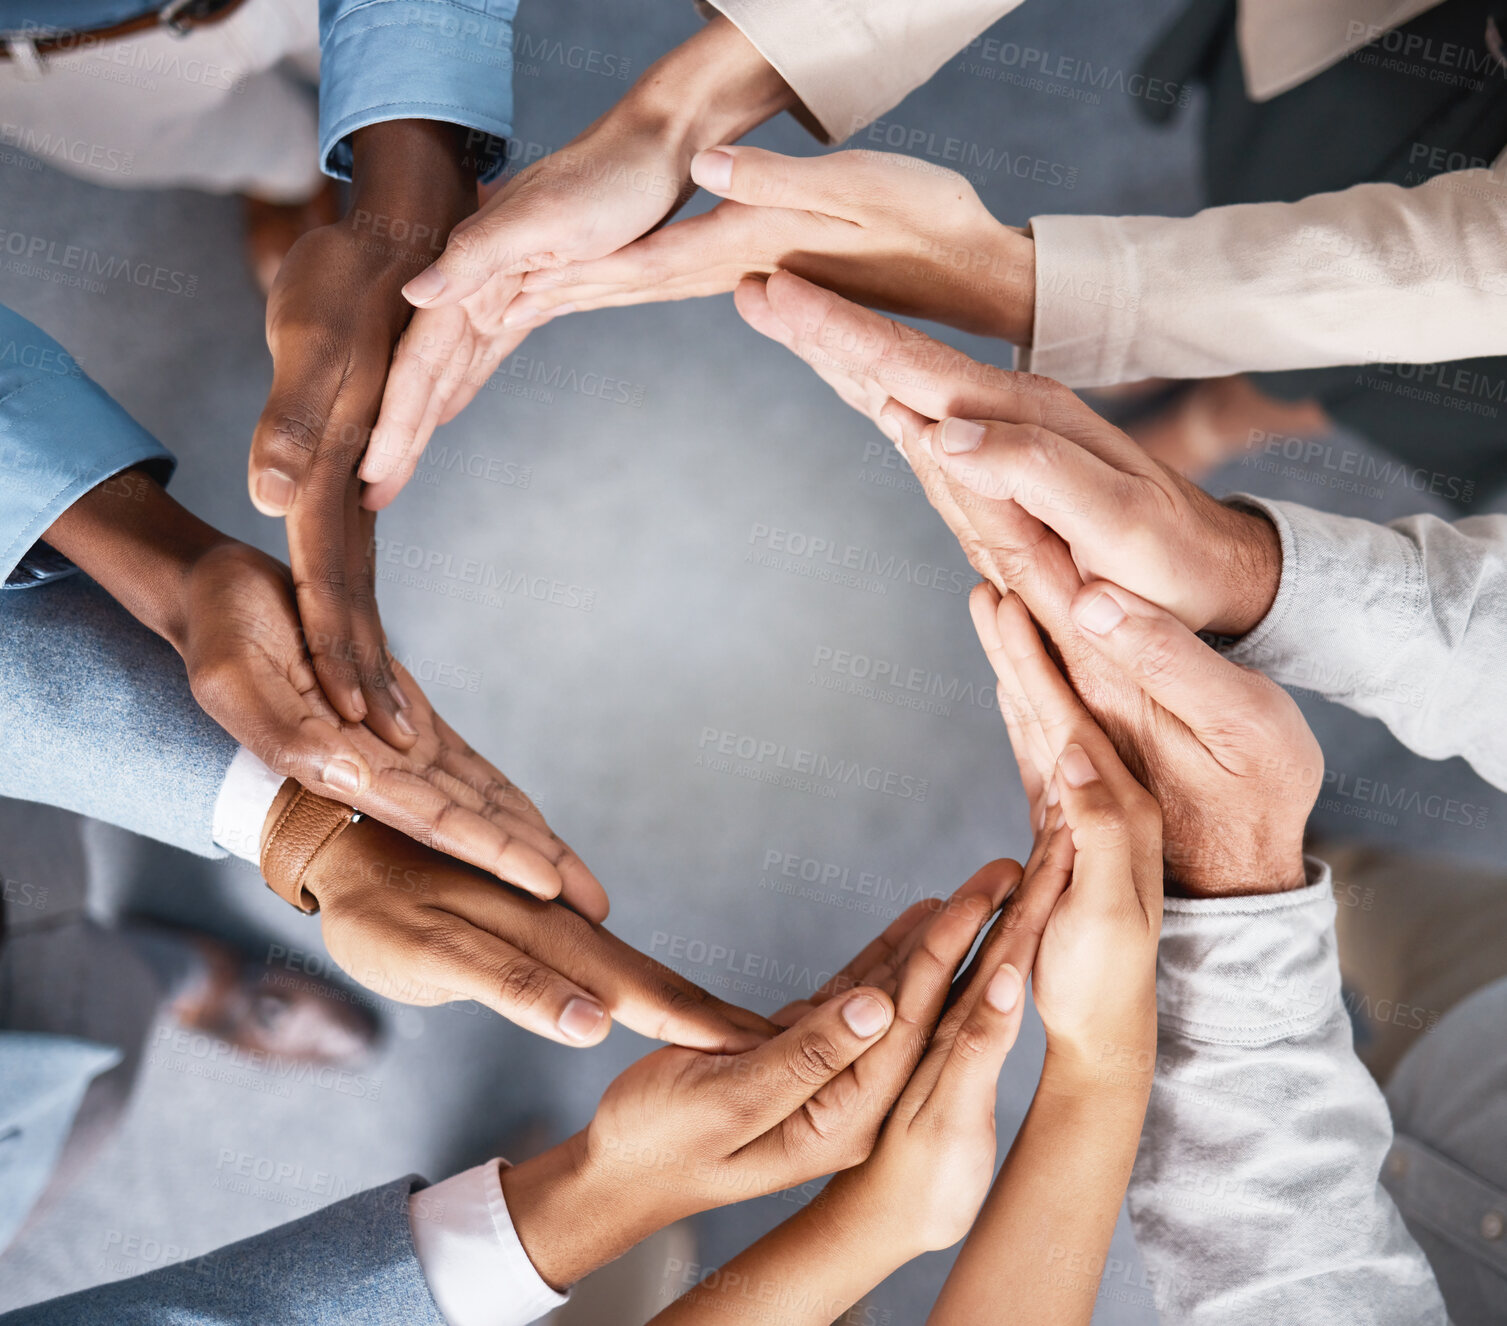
{"x":1176,"y":669}
{"x":264,"y":711}
{"x":968,"y":1083}
{"x":658,"y":1002}
{"x":1062,"y":484}
{"x":509,"y":849}
{"x":1116,"y":832}
{"x":422,"y":362}
{"x":507,"y":237}
{"x":460,"y":961}
{"x":800,"y":1061}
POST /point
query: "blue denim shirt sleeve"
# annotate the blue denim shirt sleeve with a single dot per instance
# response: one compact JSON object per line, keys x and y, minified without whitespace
{"x":415,"y":60}
{"x":60,"y":435}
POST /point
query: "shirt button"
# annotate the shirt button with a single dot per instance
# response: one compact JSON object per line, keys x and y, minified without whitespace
{"x":1492,"y":1225}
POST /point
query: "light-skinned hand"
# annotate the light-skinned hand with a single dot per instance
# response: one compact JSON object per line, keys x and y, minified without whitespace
{"x":619,"y":178}
{"x":891,"y":231}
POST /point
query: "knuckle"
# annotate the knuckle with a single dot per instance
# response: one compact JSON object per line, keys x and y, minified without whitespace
{"x":521,"y":982}
{"x":971,"y":1043}
{"x":814,"y":1060}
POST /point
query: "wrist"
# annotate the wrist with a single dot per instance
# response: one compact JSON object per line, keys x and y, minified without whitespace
{"x":1013,"y":269}
{"x":570,"y":1216}
{"x":411,"y":183}
{"x":1117,"y":1064}
{"x":140,"y":546}
{"x":711,"y":89}
{"x":858,"y":1221}
{"x":1252,"y":574}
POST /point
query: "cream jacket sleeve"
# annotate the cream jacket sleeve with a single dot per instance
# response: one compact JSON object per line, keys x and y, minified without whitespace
{"x":1377,"y":273}
{"x":851,"y":60}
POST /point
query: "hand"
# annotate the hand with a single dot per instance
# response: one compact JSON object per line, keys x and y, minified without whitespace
{"x":334,"y":316}
{"x":1123,"y":515}
{"x":229,"y":611}
{"x":1095,"y":974}
{"x":618,"y":179}
{"x":905,"y":381}
{"x":421,"y":928}
{"x":680,"y":1132}
{"x":886,"y":230}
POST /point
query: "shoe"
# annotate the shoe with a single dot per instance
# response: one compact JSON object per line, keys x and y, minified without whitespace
{"x":1218,"y":420}
{"x":215,"y":989}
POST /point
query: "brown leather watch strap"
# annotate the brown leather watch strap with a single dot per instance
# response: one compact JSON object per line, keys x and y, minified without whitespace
{"x":300,"y":825}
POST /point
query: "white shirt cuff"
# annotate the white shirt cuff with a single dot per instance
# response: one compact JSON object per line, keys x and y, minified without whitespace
{"x":471,"y":1255}
{"x":246,"y":796}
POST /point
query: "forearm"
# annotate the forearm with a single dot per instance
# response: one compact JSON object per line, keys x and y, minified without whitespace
{"x":1404,"y":622}
{"x":1046,"y":1226}
{"x":138,"y":544}
{"x":1372,"y":273}
{"x":713,"y":88}
{"x":1262,"y":1120}
{"x":412,"y":181}
{"x":807,"y":1271}
{"x":96,"y":717}
{"x":569,"y":1219}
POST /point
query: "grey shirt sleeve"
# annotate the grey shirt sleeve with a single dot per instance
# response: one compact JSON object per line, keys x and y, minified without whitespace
{"x":352,"y":1261}
{"x":1405,"y":622}
{"x":96,"y":716}
{"x":1255,"y":1196}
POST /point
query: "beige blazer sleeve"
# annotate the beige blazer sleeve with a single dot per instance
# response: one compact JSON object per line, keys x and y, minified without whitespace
{"x":849,"y":61}
{"x":1377,"y":273}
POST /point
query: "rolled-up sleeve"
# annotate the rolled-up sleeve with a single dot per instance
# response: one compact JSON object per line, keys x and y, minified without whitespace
{"x":444,"y":60}
{"x":851,"y":60}
{"x":1256,"y":1195}
{"x":61,"y":434}
{"x":1405,"y":622}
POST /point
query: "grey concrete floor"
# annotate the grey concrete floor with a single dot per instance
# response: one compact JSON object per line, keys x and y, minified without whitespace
{"x":604,"y":714}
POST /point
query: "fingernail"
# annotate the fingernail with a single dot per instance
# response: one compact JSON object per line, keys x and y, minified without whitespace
{"x":1100,"y":615}
{"x":865,"y":1017}
{"x":713,"y":170}
{"x":398,"y":693}
{"x":1004,"y":988}
{"x":274,"y":492}
{"x":890,"y":427}
{"x":1041,"y":819}
{"x":357,"y":702}
{"x":342,"y":774}
{"x":1076,"y":767}
{"x":405,"y":724}
{"x":425,"y":286}
{"x":581,"y":1019}
{"x":960,"y":435}
{"x":1054,"y":795}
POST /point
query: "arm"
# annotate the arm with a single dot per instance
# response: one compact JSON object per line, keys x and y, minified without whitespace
{"x":1263,"y":1123}
{"x":1404,"y":622}
{"x":60,"y":436}
{"x":229,"y":612}
{"x":1376,"y":272}
{"x":96,"y":716}
{"x":351,"y":1261}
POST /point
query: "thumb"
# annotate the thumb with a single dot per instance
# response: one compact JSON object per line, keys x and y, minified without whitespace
{"x":767,"y":179}
{"x":500,"y":240}
{"x":781,"y":1075}
{"x":1173,"y":666}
